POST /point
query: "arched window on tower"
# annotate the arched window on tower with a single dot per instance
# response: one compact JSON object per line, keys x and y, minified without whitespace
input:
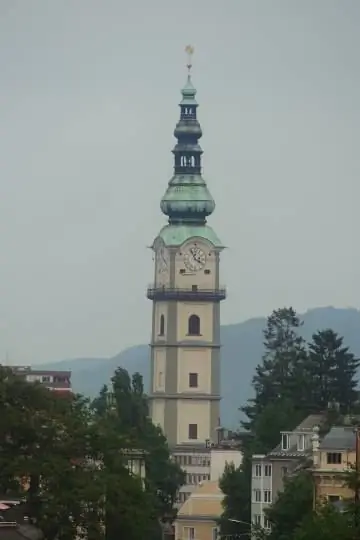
{"x":194,"y":325}
{"x":162,"y":325}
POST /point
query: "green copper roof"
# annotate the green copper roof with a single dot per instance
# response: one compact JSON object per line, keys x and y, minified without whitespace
{"x":176,"y":235}
{"x":188,"y":93}
{"x":187,"y":196}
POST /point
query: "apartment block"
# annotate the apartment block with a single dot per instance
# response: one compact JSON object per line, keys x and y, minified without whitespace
{"x":269,"y":470}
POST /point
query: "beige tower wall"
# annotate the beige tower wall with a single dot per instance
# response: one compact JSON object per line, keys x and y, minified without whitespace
{"x":192,"y":411}
{"x":203,"y":310}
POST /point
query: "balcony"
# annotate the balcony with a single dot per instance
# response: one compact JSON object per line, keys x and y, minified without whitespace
{"x":162,"y":294}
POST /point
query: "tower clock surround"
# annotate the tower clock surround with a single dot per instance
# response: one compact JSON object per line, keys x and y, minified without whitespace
{"x":186,"y":294}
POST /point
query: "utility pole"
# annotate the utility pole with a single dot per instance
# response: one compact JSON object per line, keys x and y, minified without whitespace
{"x":357,"y":481}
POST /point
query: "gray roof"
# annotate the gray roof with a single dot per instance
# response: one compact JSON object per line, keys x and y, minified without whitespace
{"x":306,"y":426}
{"x":310,"y":422}
{"x":339,"y":438}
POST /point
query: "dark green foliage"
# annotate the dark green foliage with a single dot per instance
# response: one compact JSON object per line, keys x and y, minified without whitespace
{"x":292,"y":381}
{"x":235,"y":486}
{"x":326,"y":524}
{"x":293,"y":504}
{"x":278,"y":379}
{"x":75,"y":460}
{"x":332,"y":370}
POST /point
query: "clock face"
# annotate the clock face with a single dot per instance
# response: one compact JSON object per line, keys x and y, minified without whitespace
{"x":161,"y":260}
{"x":194,"y":259}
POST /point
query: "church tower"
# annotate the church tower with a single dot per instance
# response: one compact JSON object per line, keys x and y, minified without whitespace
{"x":186,"y":295}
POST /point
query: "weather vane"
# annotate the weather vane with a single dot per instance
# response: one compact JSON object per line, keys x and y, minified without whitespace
{"x":189,"y":49}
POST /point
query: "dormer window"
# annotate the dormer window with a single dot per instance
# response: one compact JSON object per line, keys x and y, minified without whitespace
{"x":301,"y":443}
{"x":285,"y":441}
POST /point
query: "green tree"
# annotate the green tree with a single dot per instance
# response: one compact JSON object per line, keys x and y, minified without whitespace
{"x":332,"y":370}
{"x":234,"y":483}
{"x":280,"y":378}
{"x":292,"y":505}
{"x":130,"y":417}
{"x":326,"y":524}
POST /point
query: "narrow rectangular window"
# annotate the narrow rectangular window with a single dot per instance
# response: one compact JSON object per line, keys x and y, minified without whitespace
{"x":193,"y":380}
{"x":334,"y":458}
{"x":258,"y":470}
{"x":301,"y":443}
{"x":285,"y":441}
{"x":267,"y":470}
{"x":267,"y":496}
{"x":189,"y":533}
{"x":257,"y":519}
{"x":257,"y":495}
{"x":193,"y":431}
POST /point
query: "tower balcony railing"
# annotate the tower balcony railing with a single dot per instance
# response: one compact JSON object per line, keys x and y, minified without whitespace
{"x":195,"y":293}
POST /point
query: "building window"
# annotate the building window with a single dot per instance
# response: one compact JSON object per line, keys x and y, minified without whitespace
{"x":193,"y":431}
{"x":267,"y":496}
{"x":194,"y":288}
{"x":162,"y":325}
{"x":333,"y":458}
{"x":257,"y":495}
{"x":301,"y":443}
{"x":194,"y":325}
{"x":193,"y":380}
{"x":215,"y":533}
{"x":267,"y":524}
{"x":257,"y":470}
{"x":207,"y":271}
{"x":284,"y":471}
{"x":189,"y":533}
{"x":46,"y":378}
{"x":267,"y":470}
{"x":333,"y":498}
{"x":257,"y":520}
{"x":160,"y":379}
{"x":285,"y":441}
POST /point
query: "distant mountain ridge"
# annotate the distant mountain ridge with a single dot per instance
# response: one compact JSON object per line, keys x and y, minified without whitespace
{"x":241,"y":352}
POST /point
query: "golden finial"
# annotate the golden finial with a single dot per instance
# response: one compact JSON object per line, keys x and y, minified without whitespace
{"x":189,"y":49}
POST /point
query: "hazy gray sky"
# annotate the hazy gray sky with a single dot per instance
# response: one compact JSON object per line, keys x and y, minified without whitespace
{"x":88,"y":95}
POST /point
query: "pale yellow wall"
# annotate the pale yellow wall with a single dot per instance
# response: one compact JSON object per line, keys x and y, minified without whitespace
{"x":158,"y":412}
{"x":203,"y":529}
{"x":161,"y":308}
{"x":205,"y":281}
{"x":348,"y":457}
{"x":159,"y":370}
{"x":203,"y":310}
{"x":194,"y":361}
{"x":162,"y":278}
{"x":193,"y":412}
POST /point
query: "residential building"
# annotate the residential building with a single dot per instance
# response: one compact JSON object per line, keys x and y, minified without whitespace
{"x":59,"y":381}
{"x":332,"y":458}
{"x":270,"y":470}
{"x":205,"y":465}
{"x":186,"y":295}
{"x":197,"y":517}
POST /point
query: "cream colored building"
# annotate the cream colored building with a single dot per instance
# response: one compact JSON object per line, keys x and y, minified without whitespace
{"x":197,"y":518}
{"x":333,"y":457}
{"x":186,"y":294}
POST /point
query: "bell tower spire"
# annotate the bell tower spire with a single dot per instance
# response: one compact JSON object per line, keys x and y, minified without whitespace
{"x":187,"y":199}
{"x":186,"y":294}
